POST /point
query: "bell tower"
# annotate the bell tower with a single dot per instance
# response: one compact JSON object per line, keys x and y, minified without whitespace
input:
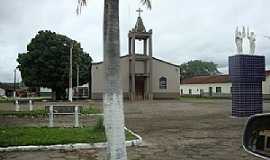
{"x":140,"y":64}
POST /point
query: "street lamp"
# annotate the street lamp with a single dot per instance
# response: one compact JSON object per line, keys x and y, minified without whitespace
{"x":78,"y":78}
{"x":14,"y":86}
{"x":70,"y":90}
{"x":15,"y":81}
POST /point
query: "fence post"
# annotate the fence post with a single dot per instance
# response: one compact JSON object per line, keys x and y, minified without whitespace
{"x":76,"y":117}
{"x":17,"y":105}
{"x":30,"y":105}
{"x":51,"y":116}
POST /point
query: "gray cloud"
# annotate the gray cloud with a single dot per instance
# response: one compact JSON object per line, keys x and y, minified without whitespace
{"x":183,"y":30}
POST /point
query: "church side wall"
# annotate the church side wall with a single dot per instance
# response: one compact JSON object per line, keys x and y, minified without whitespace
{"x":98,"y":78}
{"x":172,"y":74}
{"x":125,"y":74}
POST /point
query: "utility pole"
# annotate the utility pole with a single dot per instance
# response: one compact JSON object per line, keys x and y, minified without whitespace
{"x":78,"y":74}
{"x":70,"y":90}
{"x":14,"y":92}
{"x":78,"y":78}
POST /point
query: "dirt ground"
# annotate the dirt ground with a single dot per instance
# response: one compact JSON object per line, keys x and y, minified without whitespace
{"x":186,"y":129}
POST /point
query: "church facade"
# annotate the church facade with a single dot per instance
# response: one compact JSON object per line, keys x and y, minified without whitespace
{"x":143,"y":77}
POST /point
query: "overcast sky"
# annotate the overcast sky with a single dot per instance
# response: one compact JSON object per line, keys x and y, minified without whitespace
{"x":183,"y":30}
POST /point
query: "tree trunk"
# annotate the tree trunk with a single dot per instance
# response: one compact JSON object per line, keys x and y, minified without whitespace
{"x":53,"y":95}
{"x":113,"y":96}
{"x":58,"y":94}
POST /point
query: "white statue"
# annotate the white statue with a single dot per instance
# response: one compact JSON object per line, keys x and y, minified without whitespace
{"x":239,"y":39}
{"x":252,"y":38}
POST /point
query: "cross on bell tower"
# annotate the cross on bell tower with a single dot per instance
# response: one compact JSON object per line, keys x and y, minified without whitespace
{"x":139,"y":11}
{"x":140,"y":64}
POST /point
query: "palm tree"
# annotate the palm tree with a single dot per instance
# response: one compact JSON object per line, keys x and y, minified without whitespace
{"x":113,"y":96}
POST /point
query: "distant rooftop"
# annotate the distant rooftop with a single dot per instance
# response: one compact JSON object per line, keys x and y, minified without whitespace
{"x":207,"y":79}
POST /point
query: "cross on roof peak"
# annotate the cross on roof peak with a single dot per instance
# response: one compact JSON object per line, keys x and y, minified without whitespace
{"x":139,"y":11}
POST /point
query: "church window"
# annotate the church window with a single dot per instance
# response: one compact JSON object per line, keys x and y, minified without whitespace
{"x":163,"y":83}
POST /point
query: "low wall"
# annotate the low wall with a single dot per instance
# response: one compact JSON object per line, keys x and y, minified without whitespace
{"x":45,"y":94}
{"x":174,"y":95}
{"x":265,"y":96}
{"x":99,"y":95}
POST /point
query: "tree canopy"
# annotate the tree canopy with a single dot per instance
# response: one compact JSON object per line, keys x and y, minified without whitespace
{"x":198,"y":68}
{"x":46,"y":62}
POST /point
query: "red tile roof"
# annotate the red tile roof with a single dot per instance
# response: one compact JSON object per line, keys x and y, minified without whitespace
{"x":207,"y":79}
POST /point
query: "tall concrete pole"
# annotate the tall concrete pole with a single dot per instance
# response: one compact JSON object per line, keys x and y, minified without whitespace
{"x":78,"y":75}
{"x":151,"y":66}
{"x":78,"y":79}
{"x":70,"y":75}
{"x":14,"y":92}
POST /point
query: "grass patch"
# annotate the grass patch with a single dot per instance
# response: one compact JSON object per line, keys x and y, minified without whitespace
{"x":24,"y":136}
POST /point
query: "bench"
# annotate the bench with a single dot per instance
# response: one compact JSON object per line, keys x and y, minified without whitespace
{"x":61,"y":109}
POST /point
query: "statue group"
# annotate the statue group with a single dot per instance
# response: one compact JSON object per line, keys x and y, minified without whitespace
{"x":239,"y":37}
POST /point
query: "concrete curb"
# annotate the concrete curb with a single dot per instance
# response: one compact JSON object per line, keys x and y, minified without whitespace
{"x":75,"y":146}
{"x":135,"y":142}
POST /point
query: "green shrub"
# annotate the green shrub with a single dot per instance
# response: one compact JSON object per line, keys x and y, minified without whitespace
{"x":100,"y":124}
{"x":90,"y":110}
{"x":35,"y":113}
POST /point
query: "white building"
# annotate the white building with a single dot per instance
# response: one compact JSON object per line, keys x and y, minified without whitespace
{"x":45,"y":92}
{"x":218,"y":85}
{"x":206,"y":86}
{"x":266,"y":85}
{"x":2,"y":92}
{"x":78,"y":92}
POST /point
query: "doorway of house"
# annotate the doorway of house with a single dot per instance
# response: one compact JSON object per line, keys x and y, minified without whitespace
{"x":210,"y":91}
{"x":139,"y":87}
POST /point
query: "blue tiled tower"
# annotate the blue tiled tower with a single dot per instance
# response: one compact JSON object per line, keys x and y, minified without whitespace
{"x":246,"y":74}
